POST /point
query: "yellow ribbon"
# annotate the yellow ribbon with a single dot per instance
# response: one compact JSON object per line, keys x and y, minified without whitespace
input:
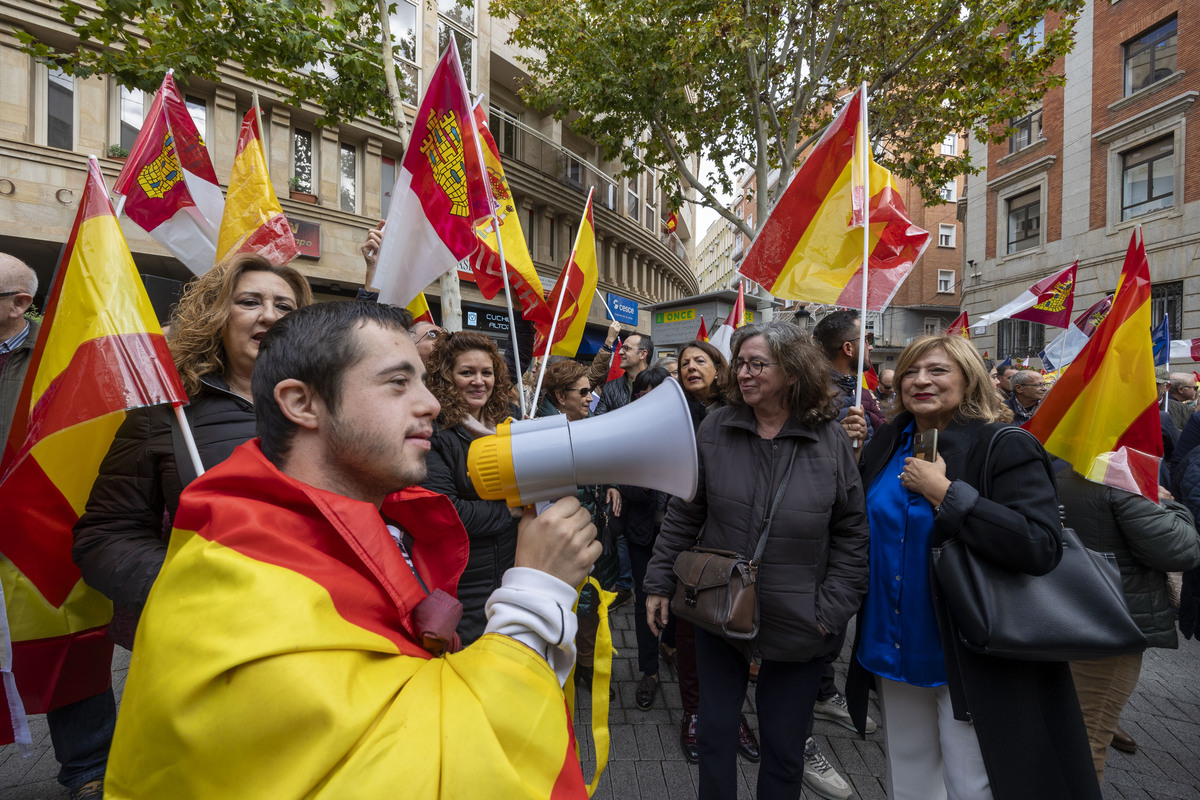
{"x":601,"y":678}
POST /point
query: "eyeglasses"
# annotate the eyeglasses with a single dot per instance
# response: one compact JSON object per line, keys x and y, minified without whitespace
{"x":628,"y":349}
{"x":11,"y":294}
{"x":753,"y":366}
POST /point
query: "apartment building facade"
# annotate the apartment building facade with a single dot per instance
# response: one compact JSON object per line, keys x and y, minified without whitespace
{"x":1108,"y":151}
{"x":335,"y":181}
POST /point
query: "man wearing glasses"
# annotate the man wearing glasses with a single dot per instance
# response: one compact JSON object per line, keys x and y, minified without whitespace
{"x":636,"y":352}
{"x":1029,"y":388}
{"x":18,"y":284}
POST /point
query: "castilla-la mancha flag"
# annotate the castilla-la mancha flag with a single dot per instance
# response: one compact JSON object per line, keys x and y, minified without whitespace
{"x":169,"y":185}
{"x":1102,"y":414}
{"x":99,"y":353}
{"x":1047,"y":302}
{"x":961,"y":326}
{"x":440,"y":195}
{"x":254,"y":220}
{"x":811,"y":246}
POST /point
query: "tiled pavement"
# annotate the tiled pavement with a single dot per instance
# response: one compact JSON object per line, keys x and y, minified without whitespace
{"x":645,"y":762}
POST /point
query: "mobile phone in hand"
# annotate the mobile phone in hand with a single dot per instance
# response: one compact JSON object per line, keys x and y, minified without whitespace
{"x":925,"y":445}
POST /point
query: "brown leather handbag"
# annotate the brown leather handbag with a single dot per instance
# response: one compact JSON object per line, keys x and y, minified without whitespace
{"x":717,"y":590}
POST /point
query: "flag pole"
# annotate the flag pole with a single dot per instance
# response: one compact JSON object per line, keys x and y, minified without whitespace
{"x":258,"y":117}
{"x":186,"y":430}
{"x":557,"y":310}
{"x":512,"y":319}
{"x":863,"y":143}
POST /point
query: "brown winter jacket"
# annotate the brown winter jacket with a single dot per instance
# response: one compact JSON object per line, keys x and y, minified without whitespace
{"x":814,"y":569}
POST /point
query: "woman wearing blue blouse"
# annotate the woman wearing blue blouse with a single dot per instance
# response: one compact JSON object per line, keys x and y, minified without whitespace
{"x":957,"y":724}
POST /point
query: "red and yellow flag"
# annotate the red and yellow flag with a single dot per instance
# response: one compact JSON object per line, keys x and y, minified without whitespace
{"x":870,"y":379}
{"x":811,"y":246}
{"x":1102,"y":414}
{"x":523,"y":279}
{"x":702,"y":334}
{"x":419,"y":308}
{"x":253,"y":221}
{"x":961,"y":326}
{"x":299,"y":640}
{"x":99,"y":353}
{"x":575,"y":287}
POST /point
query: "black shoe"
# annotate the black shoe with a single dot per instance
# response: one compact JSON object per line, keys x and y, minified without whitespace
{"x":646,"y":692}
{"x":747,"y":744}
{"x":687,"y":739}
{"x":583,"y":678}
{"x":624,"y":597}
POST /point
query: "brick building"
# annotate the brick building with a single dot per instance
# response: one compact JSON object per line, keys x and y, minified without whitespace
{"x":1098,"y":156}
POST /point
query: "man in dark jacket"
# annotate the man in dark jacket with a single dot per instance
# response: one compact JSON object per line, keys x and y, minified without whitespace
{"x":636,"y":353}
{"x":1148,"y":541}
{"x":80,"y":731}
{"x":1028,"y":390}
{"x":838,"y":335}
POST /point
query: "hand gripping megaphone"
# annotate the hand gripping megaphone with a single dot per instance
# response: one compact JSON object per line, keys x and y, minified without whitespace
{"x":649,"y":443}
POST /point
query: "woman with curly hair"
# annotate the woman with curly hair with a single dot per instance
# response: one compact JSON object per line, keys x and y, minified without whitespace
{"x":469,"y":378}
{"x":121,"y":539}
{"x":777,"y":438}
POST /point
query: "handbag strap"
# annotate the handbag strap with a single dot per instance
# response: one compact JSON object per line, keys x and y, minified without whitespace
{"x":762,"y":539}
{"x":985,"y":482}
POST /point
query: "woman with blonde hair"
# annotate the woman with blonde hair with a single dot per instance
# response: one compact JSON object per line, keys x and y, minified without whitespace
{"x":121,"y":539}
{"x":956,"y":722}
{"x":468,"y":377}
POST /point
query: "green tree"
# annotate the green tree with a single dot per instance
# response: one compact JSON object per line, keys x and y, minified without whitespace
{"x":749,"y":84}
{"x":329,"y":53}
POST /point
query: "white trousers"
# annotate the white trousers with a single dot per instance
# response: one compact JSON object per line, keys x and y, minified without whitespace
{"x":930,"y":754}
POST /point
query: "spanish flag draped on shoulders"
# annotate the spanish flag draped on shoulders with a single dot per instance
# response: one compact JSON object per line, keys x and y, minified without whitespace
{"x":277,"y":658}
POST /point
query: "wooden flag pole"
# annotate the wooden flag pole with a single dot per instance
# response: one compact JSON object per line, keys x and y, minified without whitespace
{"x":864,"y":142}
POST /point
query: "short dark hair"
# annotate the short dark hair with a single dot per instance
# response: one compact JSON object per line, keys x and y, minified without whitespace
{"x":836,"y":329}
{"x":644,"y":343}
{"x":647,"y":379}
{"x":315,"y":345}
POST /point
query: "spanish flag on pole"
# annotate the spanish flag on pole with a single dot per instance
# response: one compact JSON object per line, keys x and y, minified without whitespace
{"x":572,"y":295}
{"x":100,"y":353}
{"x":419,"y":308}
{"x":810,"y":247}
{"x":523,"y":279}
{"x":1102,"y":414}
{"x":254,"y":220}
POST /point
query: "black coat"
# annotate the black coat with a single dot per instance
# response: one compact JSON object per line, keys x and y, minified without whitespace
{"x":121,"y":539}
{"x":814,"y":568}
{"x":1026,"y":714}
{"x":490,"y":526}
{"x":613,"y":395}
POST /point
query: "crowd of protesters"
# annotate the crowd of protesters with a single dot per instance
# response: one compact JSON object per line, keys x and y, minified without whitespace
{"x":788,"y":448}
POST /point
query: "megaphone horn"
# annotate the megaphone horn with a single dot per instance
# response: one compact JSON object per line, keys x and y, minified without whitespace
{"x":649,"y":443}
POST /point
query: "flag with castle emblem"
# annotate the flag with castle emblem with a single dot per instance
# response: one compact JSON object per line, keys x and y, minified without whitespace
{"x":169,"y":185}
{"x":441,"y":192}
{"x":1047,"y":302}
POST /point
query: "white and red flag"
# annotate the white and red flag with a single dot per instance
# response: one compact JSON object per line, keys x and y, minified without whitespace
{"x":721,"y":336}
{"x":169,"y":185}
{"x":1049,"y":302}
{"x":441,"y":191}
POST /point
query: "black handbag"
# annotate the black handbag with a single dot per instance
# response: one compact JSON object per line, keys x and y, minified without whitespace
{"x":1075,"y":612}
{"x":717,"y":590}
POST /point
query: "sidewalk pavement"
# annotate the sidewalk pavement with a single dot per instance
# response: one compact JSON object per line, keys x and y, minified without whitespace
{"x":1163,"y":716}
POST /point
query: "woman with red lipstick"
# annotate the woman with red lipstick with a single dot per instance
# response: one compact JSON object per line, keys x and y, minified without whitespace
{"x":469,"y":378}
{"x":121,"y":539}
{"x":956,"y":724}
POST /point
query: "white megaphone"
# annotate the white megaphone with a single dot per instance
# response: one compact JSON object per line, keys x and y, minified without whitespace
{"x":649,"y":443}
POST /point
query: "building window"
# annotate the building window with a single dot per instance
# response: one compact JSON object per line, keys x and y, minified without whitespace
{"x":933,"y":325}
{"x":348,"y":178}
{"x":572,"y":171}
{"x":387,"y":183}
{"x":1035,"y":36}
{"x":503,"y":125}
{"x":550,"y":233}
{"x":1025,"y":131}
{"x":950,"y":191}
{"x":946,"y":235}
{"x":1024,"y":221}
{"x":459,"y":16}
{"x":945,"y":281}
{"x":133,"y":114}
{"x":632,"y":203}
{"x":1167,"y":298}
{"x":1016,"y":338}
{"x":198,"y":109}
{"x":302,"y":160}
{"x":60,"y":110}
{"x":403,"y":25}
{"x":950,"y":144}
{"x":1148,"y":178}
{"x":1151,"y":57}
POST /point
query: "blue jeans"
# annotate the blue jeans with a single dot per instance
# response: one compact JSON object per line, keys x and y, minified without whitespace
{"x":81,"y":734}
{"x":625,"y":579}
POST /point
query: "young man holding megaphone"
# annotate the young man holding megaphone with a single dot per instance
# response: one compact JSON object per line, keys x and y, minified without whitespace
{"x":299,"y":641}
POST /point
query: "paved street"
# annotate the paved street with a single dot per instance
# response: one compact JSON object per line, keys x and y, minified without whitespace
{"x":645,"y":762}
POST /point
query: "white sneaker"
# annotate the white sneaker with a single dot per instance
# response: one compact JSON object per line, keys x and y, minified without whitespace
{"x":834,"y":709}
{"x":820,"y":776}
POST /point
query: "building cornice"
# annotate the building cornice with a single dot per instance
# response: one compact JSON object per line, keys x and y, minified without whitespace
{"x":1174,"y":107}
{"x":1043,"y":164}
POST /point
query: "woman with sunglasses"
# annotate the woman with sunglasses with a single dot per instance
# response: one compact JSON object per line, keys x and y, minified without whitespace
{"x":774,"y":462}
